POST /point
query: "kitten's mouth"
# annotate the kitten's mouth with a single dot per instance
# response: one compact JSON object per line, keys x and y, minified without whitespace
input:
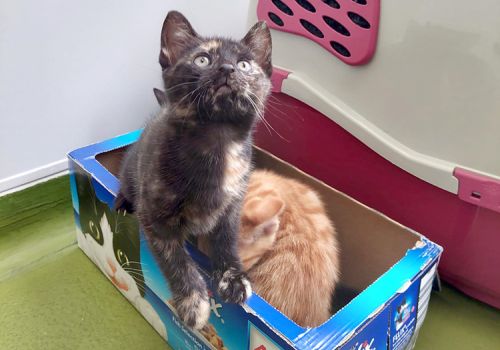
{"x":223,"y":89}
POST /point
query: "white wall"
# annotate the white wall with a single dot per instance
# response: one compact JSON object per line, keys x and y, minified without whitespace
{"x":76,"y":72}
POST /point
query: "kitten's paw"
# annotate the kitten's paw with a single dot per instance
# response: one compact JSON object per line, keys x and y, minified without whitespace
{"x":234,"y":286}
{"x":194,"y":310}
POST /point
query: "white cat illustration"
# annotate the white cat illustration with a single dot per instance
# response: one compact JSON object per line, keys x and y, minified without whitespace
{"x":104,"y":257}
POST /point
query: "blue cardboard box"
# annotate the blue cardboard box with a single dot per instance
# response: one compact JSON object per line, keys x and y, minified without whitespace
{"x":387,"y":270}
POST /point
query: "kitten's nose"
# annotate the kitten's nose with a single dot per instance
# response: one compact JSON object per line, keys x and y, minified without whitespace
{"x":226,"y":68}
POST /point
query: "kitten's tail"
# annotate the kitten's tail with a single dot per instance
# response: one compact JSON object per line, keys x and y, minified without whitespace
{"x":121,"y":203}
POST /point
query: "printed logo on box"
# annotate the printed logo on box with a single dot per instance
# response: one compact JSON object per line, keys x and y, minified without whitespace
{"x":404,"y":317}
{"x":372,"y":336}
{"x":260,"y":341}
{"x":364,"y":345}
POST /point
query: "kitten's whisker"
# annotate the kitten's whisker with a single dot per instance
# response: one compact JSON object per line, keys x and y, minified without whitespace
{"x":261,"y":117}
{"x":253,"y":103}
{"x":255,"y":95}
{"x":178,"y":104}
{"x":197,"y":100}
{"x":258,"y":114}
{"x":200,"y":96}
{"x":254,"y":106}
{"x":179,"y":85}
{"x":272,"y":100}
{"x":270,"y":107}
{"x":276,"y":100}
{"x":266,"y":124}
{"x":264,"y":119}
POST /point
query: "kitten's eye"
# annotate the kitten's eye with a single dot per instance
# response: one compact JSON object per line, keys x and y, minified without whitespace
{"x":244,"y":66}
{"x":202,"y":61}
{"x":122,"y":257}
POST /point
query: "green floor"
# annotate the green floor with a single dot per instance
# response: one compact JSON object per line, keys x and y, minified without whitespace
{"x":53,"y":297}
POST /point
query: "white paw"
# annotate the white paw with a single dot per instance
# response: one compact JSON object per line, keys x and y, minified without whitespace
{"x":234,"y":287}
{"x":194,"y":310}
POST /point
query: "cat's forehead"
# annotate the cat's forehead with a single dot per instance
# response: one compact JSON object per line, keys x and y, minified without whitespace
{"x":223,"y":47}
{"x":211,"y":45}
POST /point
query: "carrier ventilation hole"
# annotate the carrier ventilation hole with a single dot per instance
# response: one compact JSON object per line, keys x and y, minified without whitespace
{"x":341,"y":49}
{"x":332,"y":3}
{"x":311,"y":28}
{"x":283,"y":7}
{"x":333,"y":24}
{"x":358,"y":20}
{"x":336,"y":26}
{"x":274,"y":17}
{"x":306,"y":5}
{"x":475,"y":194}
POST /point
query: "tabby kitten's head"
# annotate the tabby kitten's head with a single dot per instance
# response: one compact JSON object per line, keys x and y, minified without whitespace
{"x":215,"y":79}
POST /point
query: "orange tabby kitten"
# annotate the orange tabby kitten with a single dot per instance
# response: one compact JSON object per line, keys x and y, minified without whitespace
{"x":288,"y":247}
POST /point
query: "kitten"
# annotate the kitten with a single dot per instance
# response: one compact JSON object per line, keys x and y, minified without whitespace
{"x":188,"y":172}
{"x":285,"y":232}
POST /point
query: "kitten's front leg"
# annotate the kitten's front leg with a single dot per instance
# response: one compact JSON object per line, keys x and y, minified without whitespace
{"x":232,"y":283}
{"x":189,"y":290}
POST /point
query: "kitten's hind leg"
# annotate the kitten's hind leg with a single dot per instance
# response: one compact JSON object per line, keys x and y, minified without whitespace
{"x":232,"y":283}
{"x":189,"y":290}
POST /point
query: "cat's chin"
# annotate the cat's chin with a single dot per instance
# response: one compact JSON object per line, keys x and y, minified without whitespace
{"x":225,"y":96}
{"x":223,"y":90}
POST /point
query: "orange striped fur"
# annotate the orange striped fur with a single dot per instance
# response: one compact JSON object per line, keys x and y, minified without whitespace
{"x":288,"y":247}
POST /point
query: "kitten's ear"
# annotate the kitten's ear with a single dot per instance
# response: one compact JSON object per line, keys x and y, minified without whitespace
{"x":264,"y":213}
{"x":258,"y":40}
{"x":176,"y":35}
{"x":160,"y":97}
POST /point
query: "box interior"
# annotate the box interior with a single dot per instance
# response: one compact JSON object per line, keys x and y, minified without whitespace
{"x":370,"y":243}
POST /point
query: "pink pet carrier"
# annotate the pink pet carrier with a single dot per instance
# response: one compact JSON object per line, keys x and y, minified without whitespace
{"x":396,"y":104}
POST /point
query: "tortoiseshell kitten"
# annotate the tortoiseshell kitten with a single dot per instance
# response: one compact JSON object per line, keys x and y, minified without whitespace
{"x":188,"y":173}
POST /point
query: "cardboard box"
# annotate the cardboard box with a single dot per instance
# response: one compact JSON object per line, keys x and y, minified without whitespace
{"x":387,"y":270}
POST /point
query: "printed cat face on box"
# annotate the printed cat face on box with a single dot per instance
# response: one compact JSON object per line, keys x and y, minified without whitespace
{"x":113,"y":261}
{"x":112,"y":241}
{"x":116,"y":233}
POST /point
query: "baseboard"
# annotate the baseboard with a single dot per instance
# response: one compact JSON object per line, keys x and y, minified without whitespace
{"x":32,"y":177}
